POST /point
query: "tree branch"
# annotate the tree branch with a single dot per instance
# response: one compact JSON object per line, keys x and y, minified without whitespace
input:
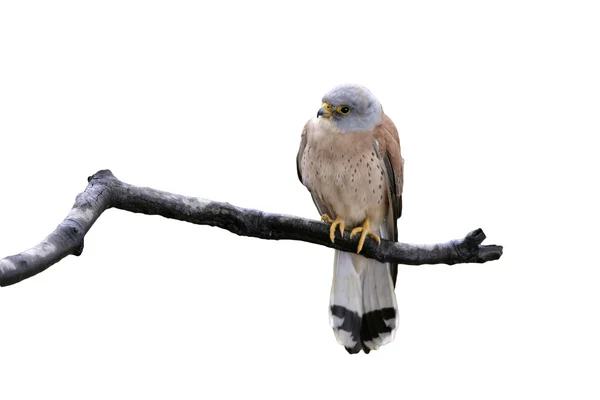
{"x":106,"y":191}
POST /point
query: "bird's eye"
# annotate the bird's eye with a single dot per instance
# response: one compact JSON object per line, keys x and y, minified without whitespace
{"x":343,"y":109}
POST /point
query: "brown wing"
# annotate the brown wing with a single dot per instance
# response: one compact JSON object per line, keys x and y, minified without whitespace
{"x":388,"y":141}
{"x":388,"y":147}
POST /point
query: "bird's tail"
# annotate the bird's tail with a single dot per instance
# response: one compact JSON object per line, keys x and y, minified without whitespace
{"x":363,"y":310}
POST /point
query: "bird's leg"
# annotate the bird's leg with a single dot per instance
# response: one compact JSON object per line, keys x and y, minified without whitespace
{"x":337,"y":222}
{"x":365,"y":230}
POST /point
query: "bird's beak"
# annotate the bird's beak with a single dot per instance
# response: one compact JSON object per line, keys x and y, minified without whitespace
{"x":324,"y":111}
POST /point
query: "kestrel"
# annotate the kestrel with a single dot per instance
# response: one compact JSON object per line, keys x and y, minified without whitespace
{"x":349,"y":159}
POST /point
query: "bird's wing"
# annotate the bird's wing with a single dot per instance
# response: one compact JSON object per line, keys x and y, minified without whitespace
{"x":301,"y":150}
{"x":387,"y":144}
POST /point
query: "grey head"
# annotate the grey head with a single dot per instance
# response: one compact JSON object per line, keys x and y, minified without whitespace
{"x":351,"y":108}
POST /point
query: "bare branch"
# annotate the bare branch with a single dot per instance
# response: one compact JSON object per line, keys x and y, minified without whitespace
{"x":106,"y":191}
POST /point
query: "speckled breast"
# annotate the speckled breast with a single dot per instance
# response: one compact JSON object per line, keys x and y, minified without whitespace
{"x":344,"y":173}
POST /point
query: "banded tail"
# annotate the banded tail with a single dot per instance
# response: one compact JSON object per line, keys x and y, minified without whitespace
{"x":363,"y":310}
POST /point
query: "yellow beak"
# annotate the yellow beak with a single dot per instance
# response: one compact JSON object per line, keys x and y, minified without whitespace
{"x":324,"y":111}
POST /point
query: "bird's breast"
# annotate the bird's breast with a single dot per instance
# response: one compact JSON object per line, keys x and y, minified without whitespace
{"x":344,"y":173}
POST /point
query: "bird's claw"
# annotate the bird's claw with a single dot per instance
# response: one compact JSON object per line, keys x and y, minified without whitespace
{"x":364,"y":230}
{"x":326,"y":218}
{"x":334,"y":223}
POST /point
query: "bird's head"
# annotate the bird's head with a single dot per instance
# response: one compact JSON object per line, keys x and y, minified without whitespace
{"x":350,"y":108}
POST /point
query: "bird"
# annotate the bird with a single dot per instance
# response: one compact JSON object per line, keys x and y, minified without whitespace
{"x":350,"y":161}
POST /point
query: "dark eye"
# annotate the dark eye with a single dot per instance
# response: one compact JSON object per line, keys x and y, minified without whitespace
{"x":343,"y":109}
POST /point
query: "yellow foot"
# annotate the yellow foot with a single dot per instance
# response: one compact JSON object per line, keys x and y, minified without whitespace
{"x":337,"y":222}
{"x":365,"y":230}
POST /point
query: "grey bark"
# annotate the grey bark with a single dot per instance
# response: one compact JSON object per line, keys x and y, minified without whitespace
{"x":105,"y":191}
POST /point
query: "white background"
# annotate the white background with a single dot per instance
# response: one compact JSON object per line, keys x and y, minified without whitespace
{"x":498,"y":111}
